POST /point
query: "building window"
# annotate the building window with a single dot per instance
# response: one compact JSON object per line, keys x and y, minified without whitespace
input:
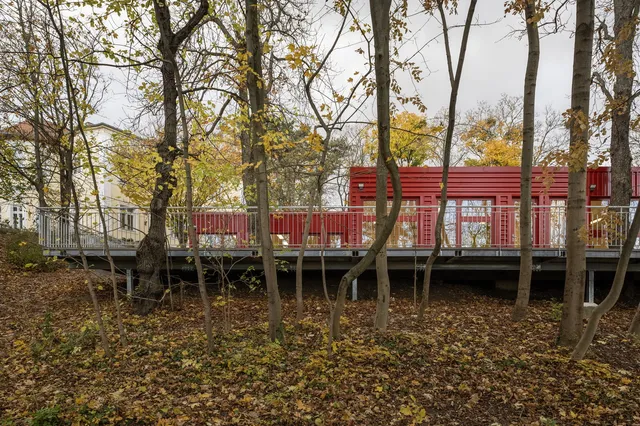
{"x":17,"y":218}
{"x":126,"y":218}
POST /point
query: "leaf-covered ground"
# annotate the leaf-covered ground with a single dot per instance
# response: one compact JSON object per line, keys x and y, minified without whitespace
{"x":467,"y":364}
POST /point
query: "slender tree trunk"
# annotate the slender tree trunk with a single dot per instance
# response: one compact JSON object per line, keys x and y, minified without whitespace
{"x":89,"y":275}
{"x":248,"y":175}
{"x":528,"y":133}
{"x":634,"y":329}
{"x":74,"y":112}
{"x":454,"y":80}
{"x":625,"y":26}
{"x":300,"y":259}
{"x":202,"y":285}
{"x":571,"y":322}
{"x":255,"y":84}
{"x":611,"y":299}
{"x":151,"y":252}
{"x":380,"y":16}
{"x":382,"y":270}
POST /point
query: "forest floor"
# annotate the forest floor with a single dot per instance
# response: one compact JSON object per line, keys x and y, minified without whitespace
{"x":466,"y":364}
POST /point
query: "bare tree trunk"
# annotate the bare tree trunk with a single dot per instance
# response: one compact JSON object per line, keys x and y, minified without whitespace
{"x":248,"y":174}
{"x":446,"y":160}
{"x":380,"y":16}
{"x":202,"y":285}
{"x":382,"y":270}
{"x":256,"y":89}
{"x":528,"y":133}
{"x":618,"y":282}
{"x":634,"y":329}
{"x":151,"y":251}
{"x":625,"y":26}
{"x":74,"y":110}
{"x":89,"y":275}
{"x":571,"y":322}
{"x":33,"y":61}
{"x":300,"y":259}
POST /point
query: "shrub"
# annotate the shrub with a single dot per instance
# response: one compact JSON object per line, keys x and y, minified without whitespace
{"x":24,"y":251}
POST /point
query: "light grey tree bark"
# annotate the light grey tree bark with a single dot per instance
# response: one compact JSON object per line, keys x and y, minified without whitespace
{"x":572,"y":307}
{"x":528,"y":138}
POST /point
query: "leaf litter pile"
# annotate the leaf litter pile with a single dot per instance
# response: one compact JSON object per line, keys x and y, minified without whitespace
{"x":466,"y":364}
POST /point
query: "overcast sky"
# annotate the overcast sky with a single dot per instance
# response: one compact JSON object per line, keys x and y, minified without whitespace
{"x":494,"y":65}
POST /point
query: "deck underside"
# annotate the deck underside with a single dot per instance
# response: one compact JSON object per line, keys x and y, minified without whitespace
{"x":398,"y":259}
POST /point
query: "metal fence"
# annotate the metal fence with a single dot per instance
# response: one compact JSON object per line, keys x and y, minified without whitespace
{"x":468,"y":224}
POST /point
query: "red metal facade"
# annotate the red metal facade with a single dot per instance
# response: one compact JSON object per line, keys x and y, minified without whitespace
{"x":496,"y":186}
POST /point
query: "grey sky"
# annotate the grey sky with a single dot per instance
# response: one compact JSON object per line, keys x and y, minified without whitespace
{"x":494,"y":65}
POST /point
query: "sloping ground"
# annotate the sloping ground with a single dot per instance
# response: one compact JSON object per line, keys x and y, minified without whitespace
{"x":467,"y":364}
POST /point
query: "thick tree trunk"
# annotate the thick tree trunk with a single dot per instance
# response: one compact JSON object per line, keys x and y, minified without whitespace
{"x":625,"y":26}
{"x":455,"y":84}
{"x":382,"y":270}
{"x":528,"y":125}
{"x":151,"y":252}
{"x":611,"y":299}
{"x":571,"y":322}
{"x":256,"y":90}
{"x":380,"y":16}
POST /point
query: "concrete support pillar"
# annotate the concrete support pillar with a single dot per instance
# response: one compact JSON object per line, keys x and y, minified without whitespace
{"x":130,"y":282}
{"x":354,"y":289}
{"x":590,"y":287}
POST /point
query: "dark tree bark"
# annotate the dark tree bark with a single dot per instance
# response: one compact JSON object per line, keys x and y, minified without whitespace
{"x":256,"y":89}
{"x":380,"y":17}
{"x":454,"y":79}
{"x":611,"y":299}
{"x":571,"y":322}
{"x":625,"y":26}
{"x":193,"y":237}
{"x":528,"y":134}
{"x":151,"y":253}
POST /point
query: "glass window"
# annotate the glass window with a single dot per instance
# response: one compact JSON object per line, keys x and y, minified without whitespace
{"x":404,"y":232}
{"x":334,"y":241}
{"x":280,"y":240}
{"x":449,"y":224}
{"x":476,"y":208}
{"x":18,"y":217}
{"x":516,"y":223}
{"x":126,"y":218}
{"x":557,"y":223}
{"x":221,"y":241}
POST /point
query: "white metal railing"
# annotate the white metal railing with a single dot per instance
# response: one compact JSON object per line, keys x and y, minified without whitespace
{"x":471,"y":225}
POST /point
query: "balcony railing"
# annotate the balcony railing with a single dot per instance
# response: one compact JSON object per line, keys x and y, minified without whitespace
{"x":472,"y":226}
